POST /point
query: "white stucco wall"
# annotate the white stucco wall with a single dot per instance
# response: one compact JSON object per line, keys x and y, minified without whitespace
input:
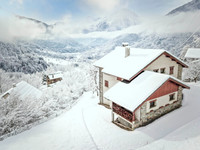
{"x":137,"y":114}
{"x":112,"y":81}
{"x":161,"y":101}
{"x":164,"y":62}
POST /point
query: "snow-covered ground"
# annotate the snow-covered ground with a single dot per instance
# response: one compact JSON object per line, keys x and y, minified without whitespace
{"x":88,"y":126}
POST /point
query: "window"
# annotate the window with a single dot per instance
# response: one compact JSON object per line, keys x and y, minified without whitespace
{"x":171,"y":70}
{"x":118,"y":78}
{"x":155,"y":70}
{"x":171,"y":97}
{"x":152,"y":104}
{"x":162,"y":70}
{"x":106,"y":83}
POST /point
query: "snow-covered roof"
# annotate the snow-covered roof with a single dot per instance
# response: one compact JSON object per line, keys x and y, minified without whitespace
{"x":133,"y":94}
{"x":55,"y":75}
{"x":116,"y":64}
{"x":193,"y":53}
{"x":24,"y":90}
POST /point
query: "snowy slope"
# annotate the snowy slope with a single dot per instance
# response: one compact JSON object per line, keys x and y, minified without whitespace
{"x":88,"y":126}
{"x":184,"y":138}
{"x":116,"y":21}
{"x":191,"y":6}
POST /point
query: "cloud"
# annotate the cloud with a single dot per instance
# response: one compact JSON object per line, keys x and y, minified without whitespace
{"x":15,"y":28}
{"x":102,"y":5}
{"x":180,"y":23}
{"x":12,"y":27}
{"x":17,"y":1}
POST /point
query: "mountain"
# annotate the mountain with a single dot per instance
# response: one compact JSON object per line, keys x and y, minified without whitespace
{"x":115,"y":21}
{"x":171,"y":42}
{"x":191,"y":6}
{"x":41,"y":24}
{"x":21,"y":57}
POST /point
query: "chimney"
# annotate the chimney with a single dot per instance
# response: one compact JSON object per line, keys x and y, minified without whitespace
{"x":127,"y":51}
{"x":125,"y":44}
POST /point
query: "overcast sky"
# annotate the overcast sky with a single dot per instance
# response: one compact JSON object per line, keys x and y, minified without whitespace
{"x":49,"y":10}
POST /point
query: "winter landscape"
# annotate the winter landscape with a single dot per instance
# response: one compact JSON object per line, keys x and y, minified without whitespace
{"x":49,"y":85}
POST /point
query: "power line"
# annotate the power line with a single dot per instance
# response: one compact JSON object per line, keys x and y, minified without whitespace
{"x":190,"y":36}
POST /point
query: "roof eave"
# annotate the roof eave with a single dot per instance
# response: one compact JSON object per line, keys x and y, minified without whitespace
{"x":177,"y":60}
{"x":179,"y":83}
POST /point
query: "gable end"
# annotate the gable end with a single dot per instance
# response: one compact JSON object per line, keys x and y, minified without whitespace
{"x":166,"y":88}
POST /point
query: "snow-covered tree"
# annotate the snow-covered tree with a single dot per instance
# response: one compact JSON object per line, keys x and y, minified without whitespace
{"x":193,"y":72}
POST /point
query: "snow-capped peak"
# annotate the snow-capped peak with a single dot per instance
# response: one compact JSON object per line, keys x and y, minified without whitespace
{"x":115,"y":21}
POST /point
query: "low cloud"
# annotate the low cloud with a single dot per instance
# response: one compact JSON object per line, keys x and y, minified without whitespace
{"x":12,"y":28}
{"x":15,"y":28}
{"x":179,"y":23}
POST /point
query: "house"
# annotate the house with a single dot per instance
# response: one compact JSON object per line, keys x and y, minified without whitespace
{"x":192,"y":54}
{"x":23,"y":90}
{"x":54,"y":77}
{"x":140,"y":85}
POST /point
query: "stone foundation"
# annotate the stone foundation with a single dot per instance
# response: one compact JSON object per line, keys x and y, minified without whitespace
{"x":147,"y":118}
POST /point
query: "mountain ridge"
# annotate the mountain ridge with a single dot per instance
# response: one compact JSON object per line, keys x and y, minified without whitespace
{"x":193,"y":5}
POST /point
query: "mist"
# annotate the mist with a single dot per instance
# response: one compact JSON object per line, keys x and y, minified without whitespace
{"x":11,"y":27}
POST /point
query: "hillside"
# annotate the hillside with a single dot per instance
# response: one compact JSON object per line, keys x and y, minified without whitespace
{"x":21,"y":57}
{"x":191,"y":6}
{"x":171,"y":42}
{"x":90,"y":124}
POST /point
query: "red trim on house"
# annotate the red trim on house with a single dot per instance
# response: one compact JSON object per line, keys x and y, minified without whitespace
{"x":153,"y":100}
{"x":179,"y":83}
{"x":152,"y":96}
{"x":119,"y":79}
{"x":166,"y":88}
{"x":161,"y":107}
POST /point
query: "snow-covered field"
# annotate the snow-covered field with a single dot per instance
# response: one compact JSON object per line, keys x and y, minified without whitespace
{"x":88,"y":126}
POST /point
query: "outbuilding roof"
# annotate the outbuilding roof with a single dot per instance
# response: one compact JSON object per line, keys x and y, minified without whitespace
{"x":24,"y":90}
{"x":133,"y":94}
{"x":115,"y":63}
{"x":55,"y":75}
{"x":193,"y":53}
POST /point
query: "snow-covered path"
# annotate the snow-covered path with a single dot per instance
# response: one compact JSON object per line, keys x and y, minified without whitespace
{"x":88,"y":126}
